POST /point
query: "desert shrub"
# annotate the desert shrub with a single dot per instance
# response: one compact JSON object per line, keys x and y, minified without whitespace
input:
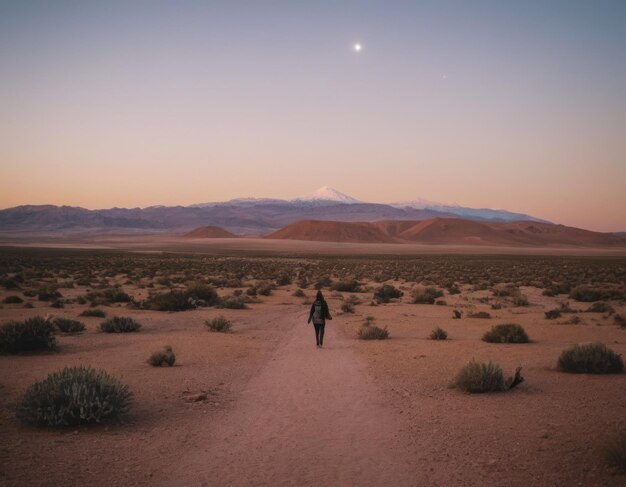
{"x":456,"y":314}
{"x":96,"y":313}
{"x":203,"y":292}
{"x":75,"y":395}
{"x":593,"y":358}
{"x":348,"y":286}
{"x":219,"y":324}
{"x":251,"y":291}
{"x":232,"y":302}
{"x":119,"y":324}
{"x":163,"y":357}
{"x":371,"y":332}
{"x":496,"y":306}
{"x":425,"y":294}
{"x":477,"y":377}
{"x":323,"y":282}
{"x":620,"y":321}
{"x":600,"y":307}
{"x":589,"y":294}
{"x":170,"y":301}
{"x":481,"y":314}
{"x":66,"y":325}
{"x":347,"y":307}
{"x":453,"y":289}
{"x":9,"y":283}
{"x":353,"y":300}
{"x":12,"y":300}
{"x":57,"y":303}
{"x":299,"y":293}
{"x":552,"y":314}
{"x":284,"y":280}
{"x":507,"y":333}
{"x":520,"y":300}
{"x":26,"y":336}
{"x":48,"y":293}
{"x":441,"y":302}
{"x":264,"y":288}
{"x":107,"y":296}
{"x":556,"y":289}
{"x":504,"y":290}
{"x":615,"y":451}
{"x":368,"y":320}
{"x":438,"y":334}
{"x":386,"y":293}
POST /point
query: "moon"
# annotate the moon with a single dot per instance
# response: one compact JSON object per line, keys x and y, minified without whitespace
{"x":357,"y":47}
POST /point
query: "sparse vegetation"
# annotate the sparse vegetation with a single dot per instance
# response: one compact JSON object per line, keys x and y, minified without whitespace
{"x":439,"y":334}
{"x":66,"y":325}
{"x":218,"y":324}
{"x":347,"y":286}
{"x":170,"y":301}
{"x":26,"y":336}
{"x":94,"y":312}
{"x":371,"y":332}
{"x":506,"y":333}
{"x":163,"y":357}
{"x":12,"y":300}
{"x":386,"y":293}
{"x":477,"y":377}
{"x":75,"y":395}
{"x":601,"y":307}
{"x":425,"y":294}
{"x":552,"y":314}
{"x":119,"y":324}
{"x":480,"y":314}
{"x":347,"y":307}
{"x":589,"y":294}
{"x":593,"y":358}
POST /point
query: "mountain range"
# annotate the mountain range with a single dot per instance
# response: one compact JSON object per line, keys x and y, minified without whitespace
{"x":244,"y":216}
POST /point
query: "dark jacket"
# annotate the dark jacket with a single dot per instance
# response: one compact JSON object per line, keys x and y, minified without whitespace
{"x":324,"y":310}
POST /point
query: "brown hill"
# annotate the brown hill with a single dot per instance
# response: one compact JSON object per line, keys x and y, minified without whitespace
{"x":210,"y":232}
{"x":448,"y":231}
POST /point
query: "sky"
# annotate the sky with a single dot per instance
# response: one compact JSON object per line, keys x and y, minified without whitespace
{"x":498,"y":104}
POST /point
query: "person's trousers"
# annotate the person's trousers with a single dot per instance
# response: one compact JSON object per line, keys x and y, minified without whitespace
{"x":319,"y":333}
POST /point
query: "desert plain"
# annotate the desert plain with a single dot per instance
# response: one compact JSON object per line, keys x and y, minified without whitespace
{"x":262,"y":405}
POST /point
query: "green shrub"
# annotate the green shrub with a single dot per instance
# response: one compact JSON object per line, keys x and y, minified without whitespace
{"x":348,"y":286}
{"x":119,"y":324}
{"x":164,"y":357}
{"x":507,"y":333}
{"x":68,"y":326}
{"x":594,"y":358}
{"x":12,"y":300}
{"x":600,"y":307}
{"x":615,"y":451}
{"x":477,"y":377}
{"x":347,"y":307}
{"x":371,"y":332}
{"x":386,"y":293}
{"x":29,"y":335}
{"x":170,"y":301}
{"x":481,"y":314}
{"x":75,"y":395}
{"x":425,"y":295}
{"x":219,"y":324}
{"x":96,"y":313}
{"x":552,"y":314}
{"x":438,"y":334}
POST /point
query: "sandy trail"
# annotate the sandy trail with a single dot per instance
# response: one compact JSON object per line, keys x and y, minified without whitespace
{"x":310,"y":417}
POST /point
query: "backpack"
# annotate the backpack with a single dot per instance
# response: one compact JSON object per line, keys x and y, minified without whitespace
{"x":318,"y":313}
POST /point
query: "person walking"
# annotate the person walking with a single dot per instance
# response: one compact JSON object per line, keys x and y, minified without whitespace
{"x":319,"y":314}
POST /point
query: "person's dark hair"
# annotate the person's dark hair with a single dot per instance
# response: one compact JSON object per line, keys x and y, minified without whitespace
{"x":319,"y":296}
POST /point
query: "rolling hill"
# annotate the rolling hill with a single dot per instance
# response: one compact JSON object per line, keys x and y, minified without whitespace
{"x":210,"y":231}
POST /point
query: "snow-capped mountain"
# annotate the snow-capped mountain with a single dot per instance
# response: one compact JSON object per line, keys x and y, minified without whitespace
{"x":327,"y":194}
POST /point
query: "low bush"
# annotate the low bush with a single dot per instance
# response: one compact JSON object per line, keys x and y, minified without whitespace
{"x":232,"y":302}
{"x":615,"y":451}
{"x":477,"y":377}
{"x":48,"y":293}
{"x":119,"y":324}
{"x":218,"y":324}
{"x":264,"y":288}
{"x":203,"y":292}
{"x":593,"y":358}
{"x":438,"y":334}
{"x":481,"y":314}
{"x":348,"y":286}
{"x":107,"y":296}
{"x":75,"y":395}
{"x":386,"y":293}
{"x":589,"y":294}
{"x":520,"y":300}
{"x":507,"y":333}
{"x":504,"y":290}
{"x":456,"y":314}
{"x":425,"y":294}
{"x":371,"y":332}
{"x":552,"y":314}
{"x":163,"y":357}
{"x":66,"y":325}
{"x":299,"y":293}
{"x":347,"y":307}
{"x":600,"y":307}
{"x":12,"y":300}
{"x":170,"y":301}
{"x":27,"y":336}
{"x":95,"y":313}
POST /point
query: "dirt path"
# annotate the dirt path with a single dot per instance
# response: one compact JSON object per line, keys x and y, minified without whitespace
{"x":310,"y":417}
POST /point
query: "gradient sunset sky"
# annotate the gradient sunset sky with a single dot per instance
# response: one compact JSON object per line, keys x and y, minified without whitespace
{"x":503,"y":104}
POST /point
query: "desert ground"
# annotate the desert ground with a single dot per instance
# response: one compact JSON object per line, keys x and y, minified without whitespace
{"x":262,"y":405}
